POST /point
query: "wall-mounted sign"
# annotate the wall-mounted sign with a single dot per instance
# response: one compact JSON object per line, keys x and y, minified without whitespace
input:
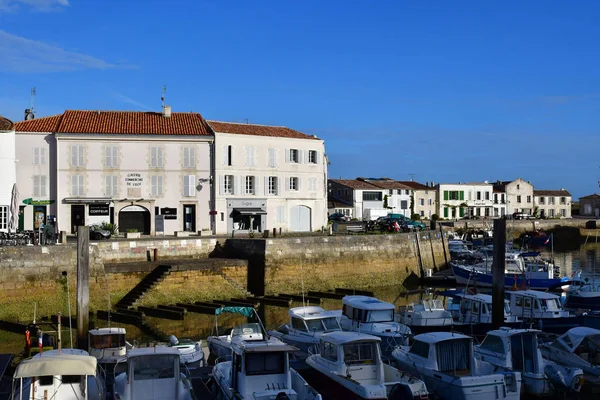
{"x":98,"y":209}
{"x":169,"y":213}
{"x":31,"y":202}
{"x":134,"y":180}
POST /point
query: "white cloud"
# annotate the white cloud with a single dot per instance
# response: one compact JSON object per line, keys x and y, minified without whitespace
{"x":19,"y":54}
{"x":32,"y":5}
{"x":129,"y":100}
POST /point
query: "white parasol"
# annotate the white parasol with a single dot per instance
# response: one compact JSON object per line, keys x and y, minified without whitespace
{"x":14,"y":209}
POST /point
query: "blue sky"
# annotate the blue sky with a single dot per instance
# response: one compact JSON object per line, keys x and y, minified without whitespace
{"x":446,"y":90}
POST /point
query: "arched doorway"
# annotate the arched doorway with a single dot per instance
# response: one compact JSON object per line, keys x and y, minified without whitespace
{"x":300,"y":219}
{"x":134,"y":217}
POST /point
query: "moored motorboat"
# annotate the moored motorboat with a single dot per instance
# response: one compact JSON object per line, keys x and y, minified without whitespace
{"x":66,"y":374}
{"x":375,"y":317}
{"x":353,"y":361}
{"x":585,"y":296}
{"x":306,"y":326}
{"x":108,"y":344}
{"x":260,"y":370}
{"x":152,"y":373}
{"x":445,"y":361}
{"x":191,"y":354}
{"x":517,"y":350}
{"x":219,"y":346}
{"x":425,"y":316}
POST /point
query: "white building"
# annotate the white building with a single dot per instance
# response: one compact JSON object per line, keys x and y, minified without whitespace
{"x":465,"y":200}
{"x":268,"y":177}
{"x":361,"y":194}
{"x":7,"y":166}
{"x":396,"y":195}
{"x":143,"y":171}
{"x":513,"y":197}
{"x":553,"y":203}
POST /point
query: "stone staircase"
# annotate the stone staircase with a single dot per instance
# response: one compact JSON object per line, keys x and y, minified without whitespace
{"x":157,"y":275}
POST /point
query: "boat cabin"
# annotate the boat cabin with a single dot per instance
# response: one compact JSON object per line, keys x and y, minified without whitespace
{"x":446,"y":352}
{"x":313,"y":319}
{"x":535,"y":304}
{"x":260,"y":369}
{"x":583,"y":342}
{"x":513,"y":349}
{"x":107,"y":344}
{"x":474,"y":308}
{"x":425,"y":313}
{"x":70,"y":375}
{"x":356,"y":356}
{"x":151,"y":373}
{"x":364,"y":309}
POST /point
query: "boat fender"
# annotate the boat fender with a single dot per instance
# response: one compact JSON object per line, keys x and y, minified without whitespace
{"x":282,"y":396}
{"x":173,"y":339}
{"x":284,"y":329}
{"x":555,"y":376}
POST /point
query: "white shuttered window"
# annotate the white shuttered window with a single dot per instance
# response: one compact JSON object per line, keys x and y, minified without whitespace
{"x":77,"y":185}
{"x":111,"y":154}
{"x":111,"y":185}
{"x":156,"y":185}
{"x":189,"y":185}
{"x":77,"y":155}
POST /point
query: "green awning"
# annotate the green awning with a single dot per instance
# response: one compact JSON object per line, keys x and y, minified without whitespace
{"x":245,"y":311}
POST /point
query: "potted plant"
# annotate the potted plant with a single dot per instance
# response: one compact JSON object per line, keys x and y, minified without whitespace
{"x":132,"y":233}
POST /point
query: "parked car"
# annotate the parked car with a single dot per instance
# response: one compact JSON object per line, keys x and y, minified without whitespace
{"x":97,"y":233}
{"x":338,"y":217}
{"x":522,"y":216}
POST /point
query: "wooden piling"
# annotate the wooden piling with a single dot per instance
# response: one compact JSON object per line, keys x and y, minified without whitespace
{"x":432,"y":252}
{"x":83,"y":286}
{"x":444,"y":247}
{"x":419,"y":258}
{"x":498,"y":268}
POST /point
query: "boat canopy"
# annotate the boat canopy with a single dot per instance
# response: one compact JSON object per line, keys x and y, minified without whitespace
{"x":56,"y":365}
{"x":245,"y":311}
{"x":573,"y":338}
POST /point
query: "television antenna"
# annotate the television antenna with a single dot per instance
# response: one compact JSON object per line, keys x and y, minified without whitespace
{"x":32,"y":97}
{"x":412,"y":176}
{"x":30,"y":112}
{"x":162,"y":97}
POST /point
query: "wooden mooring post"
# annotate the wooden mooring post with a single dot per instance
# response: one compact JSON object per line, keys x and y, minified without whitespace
{"x":83,"y":286}
{"x":498,"y":267}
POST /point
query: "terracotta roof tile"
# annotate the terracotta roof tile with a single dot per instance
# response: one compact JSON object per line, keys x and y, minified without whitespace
{"x":355,"y":184}
{"x":119,"y":122}
{"x":45,"y":124}
{"x":389,"y":184}
{"x":560,"y":192}
{"x":257,"y":130}
{"x":5,"y":124}
{"x":416,"y":185}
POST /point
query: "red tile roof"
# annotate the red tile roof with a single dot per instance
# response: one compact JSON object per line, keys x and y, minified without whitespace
{"x":355,"y":184}
{"x":45,"y":124}
{"x":257,"y":130}
{"x":560,"y":192}
{"x":416,"y":185}
{"x":5,"y":124}
{"x":119,"y":122}
{"x":590,"y":197}
{"x":389,"y":184}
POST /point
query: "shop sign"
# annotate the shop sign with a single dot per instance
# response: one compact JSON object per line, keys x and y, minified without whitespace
{"x":98,"y":209}
{"x":134,"y":180}
{"x":31,"y":202}
{"x":169,"y":213}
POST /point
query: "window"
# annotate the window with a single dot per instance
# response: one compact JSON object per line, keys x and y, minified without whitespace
{"x":189,"y":185}
{"x":380,"y":316}
{"x":77,"y":185}
{"x":360,"y":353}
{"x":542,"y":200}
{"x":487,"y":195}
{"x":39,"y":156}
{"x":563,"y":200}
{"x":294,"y":156}
{"x":518,"y":186}
{"x":298,"y":323}
{"x":77,"y":155}
{"x":345,"y":192}
{"x":495,"y":198}
{"x":404,"y":204}
{"x":111,"y":185}
{"x":519,"y":301}
{"x":294,"y":183}
{"x":272,"y":158}
{"x":146,"y":367}
{"x":422,"y":213}
{"x":4,"y":217}
{"x":265,"y":363}
{"x":39,"y":186}
{"x":156,"y":185}
{"x":272,"y":182}
{"x":228,"y":184}
{"x":329,"y":351}
{"x":502,"y":198}
{"x":281,"y":214}
{"x":430,"y":202}
{"x":529,"y":199}
{"x":518,"y":199}
{"x":111,"y":154}
{"x":250,"y":156}
{"x":156,"y":157}
{"x":391,"y":191}
{"x":420,"y":349}
{"x":189,"y":157}
{"x":478,"y":195}
{"x":454,"y":195}
{"x":527,"y":303}
{"x":372,"y":196}
{"x":312,"y":157}
{"x":563,"y":212}
{"x":312,"y":184}
{"x":475,"y":309}
{"x":339,"y":192}
{"x":493,"y":343}
{"x":551,"y":213}
{"x":551,"y":200}
{"x":422,"y":202}
{"x":228,"y":155}
{"x":250,"y":185}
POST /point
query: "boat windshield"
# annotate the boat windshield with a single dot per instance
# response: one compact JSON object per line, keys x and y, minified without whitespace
{"x":380,"y":315}
{"x":107,"y":341}
{"x":506,"y":308}
{"x":550,"y":304}
{"x":155,"y":366}
{"x":323,"y":324}
{"x":360,"y":353}
{"x":265,"y":363}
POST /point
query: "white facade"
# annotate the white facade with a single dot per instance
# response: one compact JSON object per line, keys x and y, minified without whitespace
{"x":7,"y":168}
{"x":265,"y":182}
{"x":152,"y":181}
{"x":465,"y":200}
{"x":553,"y":203}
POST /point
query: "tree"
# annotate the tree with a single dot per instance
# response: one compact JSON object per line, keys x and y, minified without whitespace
{"x":385,"y":202}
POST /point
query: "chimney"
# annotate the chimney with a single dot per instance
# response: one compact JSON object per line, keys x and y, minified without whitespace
{"x":167,"y":111}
